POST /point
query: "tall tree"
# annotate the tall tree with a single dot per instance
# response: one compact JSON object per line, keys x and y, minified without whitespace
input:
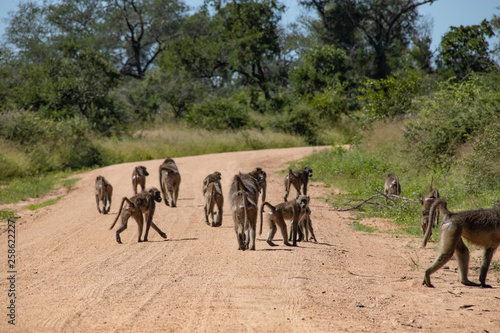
{"x":465,"y":49}
{"x":133,"y":32}
{"x":382,"y":26}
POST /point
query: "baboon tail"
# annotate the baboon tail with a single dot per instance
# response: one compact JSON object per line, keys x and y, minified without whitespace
{"x":440,"y":205}
{"x":119,"y":212}
{"x":261,"y":213}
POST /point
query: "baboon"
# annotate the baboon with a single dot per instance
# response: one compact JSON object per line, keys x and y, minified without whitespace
{"x":213,"y":196}
{"x":244,"y":212}
{"x":288,"y":210}
{"x":248,"y":183}
{"x":142,"y":203}
{"x":139,"y":178}
{"x":392,"y":185}
{"x":170,"y":180}
{"x":103,"y":192}
{"x":305,"y":227}
{"x":427,"y":202}
{"x":298,"y":178}
{"x":214,"y":177}
{"x":261,"y":178}
{"x":480,"y":227}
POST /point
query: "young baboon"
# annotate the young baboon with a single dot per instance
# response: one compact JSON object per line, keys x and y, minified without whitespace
{"x":248,"y":183}
{"x":170,"y":180}
{"x":427,"y":202}
{"x":392,"y":185}
{"x":139,"y":178}
{"x":288,"y":210}
{"x":305,"y":227}
{"x":142,"y":203}
{"x":297,"y":178}
{"x":103,"y":192}
{"x":213,"y":196}
{"x":480,"y":227}
{"x":214,"y":177}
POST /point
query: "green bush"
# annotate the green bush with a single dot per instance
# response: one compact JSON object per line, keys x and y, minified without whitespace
{"x":218,"y":113}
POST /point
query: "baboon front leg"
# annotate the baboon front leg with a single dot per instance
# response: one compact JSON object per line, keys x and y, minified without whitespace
{"x":155,"y":227}
{"x":487,"y":256}
{"x":149,"y":219}
{"x":294,"y":226}
{"x":462,"y":253}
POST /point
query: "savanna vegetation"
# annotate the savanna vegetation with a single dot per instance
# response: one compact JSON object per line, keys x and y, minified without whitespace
{"x":92,"y":83}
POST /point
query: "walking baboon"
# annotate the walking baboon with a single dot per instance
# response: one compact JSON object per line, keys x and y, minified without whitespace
{"x":170,"y":180}
{"x":213,"y":196}
{"x":261,"y":177}
{"x":392,"y":185}
{"x":139,"y":178}
{"x":214,"y":177}
{"x":297,"y":178}
{"x":244,"y":212}
{"x":288,"y":210}
{"x":427,"y":202}
{"x":248,"y":183}
{"x":103,"y":192}
{"x":139,"y":204}
{"x":305,"y":227}
{"x":480,"y":227}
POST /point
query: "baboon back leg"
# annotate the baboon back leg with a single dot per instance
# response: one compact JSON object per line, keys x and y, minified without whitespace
{"x":487,"y":256}
{"x":176,"y":195}
{"x":271,"y":234}
{"x":450,"y":235}
{"x":140,"y":222}
{"x":97,"y":202}
{"x":462,"y":254}
{"x":155,"y":227}
{"x":206,"y":214}
{"x":312,"y":232}
{"x":122,"y":228}
{"x":219,"y":216}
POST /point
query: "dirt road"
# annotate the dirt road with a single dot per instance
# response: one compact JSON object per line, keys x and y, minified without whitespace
{"x":72,"y":276}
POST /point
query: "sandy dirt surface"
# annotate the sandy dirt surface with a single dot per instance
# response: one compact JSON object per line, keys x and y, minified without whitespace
{"x":72,"y":276}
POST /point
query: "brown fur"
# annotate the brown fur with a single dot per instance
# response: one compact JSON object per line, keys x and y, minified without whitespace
{"x":392,"y":185}
{"x":214,"y":177}
{"x":139,"y":178}
{"x":139,"y":204}
{"x":299,"y":179}
{"x":213,"y":196}
{"x":170,"y":180}
{"x":288,"y":210}
{"x":480,"y":227}
{"x":103,"y":193}
{"x":427,"y":203}
{"x":245,"y":208}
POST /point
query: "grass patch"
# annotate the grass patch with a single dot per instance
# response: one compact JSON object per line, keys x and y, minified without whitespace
{"x":361,"y":227}
{"x":178,"y":140}
{"x":21,"y":189}
{"x":44,"y":204}
{"x":7,"y":214}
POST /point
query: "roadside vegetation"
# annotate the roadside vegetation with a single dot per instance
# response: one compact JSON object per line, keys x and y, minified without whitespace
{"x":127,"y":83}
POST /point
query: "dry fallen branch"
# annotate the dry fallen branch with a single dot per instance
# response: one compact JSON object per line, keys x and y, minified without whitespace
{"x":368,"y":201}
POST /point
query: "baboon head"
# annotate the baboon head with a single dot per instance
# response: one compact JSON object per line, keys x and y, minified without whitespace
{"x":141,"y":170}
{"x":309,"y":171}
{"x":155,"y":193}
{"x":303,"y":201}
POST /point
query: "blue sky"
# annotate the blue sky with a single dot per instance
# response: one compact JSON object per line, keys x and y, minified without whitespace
{"x":443,"y":13}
